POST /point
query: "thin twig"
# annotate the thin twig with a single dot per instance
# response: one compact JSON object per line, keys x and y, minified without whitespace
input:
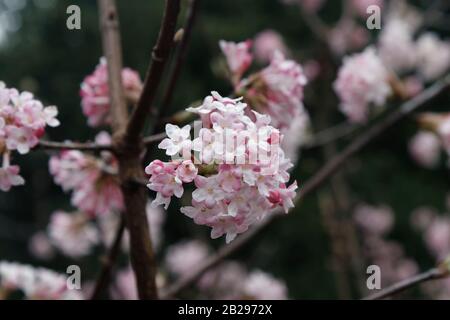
{"x":181,"y":57}
{"x":329,"y":135}
{"x":328,"y":170}
{"x":431,"y":274}
{"x":108,"y":264}
{"x":150,"y":140}
{"x":68,"y":145}
{"x":160,"y":56}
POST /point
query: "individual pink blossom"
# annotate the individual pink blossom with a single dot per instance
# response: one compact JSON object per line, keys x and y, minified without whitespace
{"x":262,"y":286}
{"x":238,"y":57}
{"x":165,"y":181}
{"x":425,"y":148}
{"x":94,"y":92}
{"x":362,"y":81}
{"x":72,"y":233}
{"x":9,"y":177}
{"x":178,"y":140}
{"x":266,"y":43}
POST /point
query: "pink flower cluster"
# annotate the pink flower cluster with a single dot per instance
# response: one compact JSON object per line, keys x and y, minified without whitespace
{"x":95,"y":92}
{"x":73,"y":233}
{"x":22,"y":122}
{"x":276,"y":90}
{"x":238,"y":57}
{"x":35,"y":283}
{"x":229,"y":280}
{"x":95,"y":187}
{"x":233,"y":188}
{"x":362,"y":80}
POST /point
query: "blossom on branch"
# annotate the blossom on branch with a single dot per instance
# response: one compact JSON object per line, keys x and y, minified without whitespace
{"x":94,"y":93}
{"x":362,"y":80}
{"x":239,"y":170}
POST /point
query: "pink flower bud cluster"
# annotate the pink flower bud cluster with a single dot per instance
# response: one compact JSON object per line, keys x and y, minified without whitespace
{"x":233,"y":188}
{"x":95,"y":92}
{"x":362,"y":81}
{"x":93,"y":182}
{"x":22,"y":122}
{"x":35,"y":283}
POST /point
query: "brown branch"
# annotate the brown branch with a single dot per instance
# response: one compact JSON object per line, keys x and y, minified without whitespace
{"x":160,"y":56}
{"x":328,"y":170}
{"x":68,"y":145}
{"x":108,"y":263}
{"x":109,"y":25}
{"x":129,"y":146}
{"x":128,"y":153}
{"x":181,"y":56}
{"x":431,"y":274}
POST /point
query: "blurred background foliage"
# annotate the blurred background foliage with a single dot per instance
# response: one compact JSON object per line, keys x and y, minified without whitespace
{"x":38,"y":53}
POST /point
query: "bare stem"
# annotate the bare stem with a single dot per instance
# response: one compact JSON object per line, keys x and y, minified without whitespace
{"x":160,"y":56}
{"x":68,"y":145}
{"x":431,"y":274}
{"x":327,"y":171}
{"x":181,"y":56}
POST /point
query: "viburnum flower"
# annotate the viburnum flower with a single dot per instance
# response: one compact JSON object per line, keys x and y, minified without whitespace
{"x":93,"y":180}
{"x":277,"y":90}
{"x":396,"y":45}
{"x":95,"y":92}
{"x":178,"y":140}
{"x":425,"y":148}
{"x":9,"y":177}
{"x":73,"y":233}
{"x":35,"y":283}
{"x":22,"y":122}
{"x":433,"y":56}
{"x":238,"y":57}
{"x":443,"y":130}
{"x":362,"y":80}
{"x":240,"y":179}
